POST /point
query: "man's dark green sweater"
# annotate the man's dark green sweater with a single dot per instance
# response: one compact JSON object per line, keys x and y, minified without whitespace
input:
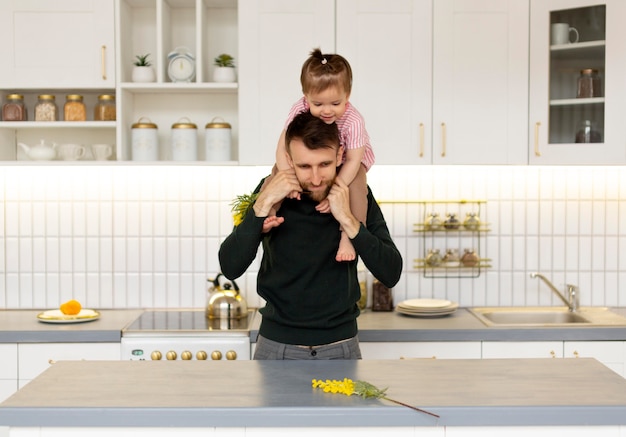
{"x":311,"y":299}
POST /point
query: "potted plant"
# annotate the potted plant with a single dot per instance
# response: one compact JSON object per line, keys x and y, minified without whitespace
{"x":143,"y":71}
{"x":224,"y":68}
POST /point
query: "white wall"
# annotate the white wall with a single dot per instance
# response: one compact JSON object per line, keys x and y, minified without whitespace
{"x":147,"y":236}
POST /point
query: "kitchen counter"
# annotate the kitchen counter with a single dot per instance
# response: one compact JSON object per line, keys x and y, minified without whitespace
{"x":22,"y":326}
{"x":527,"y":392}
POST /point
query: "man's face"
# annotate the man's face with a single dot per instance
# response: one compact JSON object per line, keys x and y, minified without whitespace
{"x":315,"y":169}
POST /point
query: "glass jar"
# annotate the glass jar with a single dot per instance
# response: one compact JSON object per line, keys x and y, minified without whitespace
{"x":105,"y":108}
{"x":469,"y":258}
{"x":46,"y":108}
{"x":451,"y":222}
{"x":451,"y":258}
{"x":588,"y":84}
{"x":14,"y":109}
{"x":382,"y":298}
{"x":74,"y":109}
{"x":471,"y":222}
{"x":432,"y":222}
{"x":587,"y":133}
{"x":433,"y":259}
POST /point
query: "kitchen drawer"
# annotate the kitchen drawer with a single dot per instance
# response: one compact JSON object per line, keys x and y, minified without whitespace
{"x":522,"y":349}
{"x":444,"y":350}
{"x":34,"y":358}
{"x":8,"y":352}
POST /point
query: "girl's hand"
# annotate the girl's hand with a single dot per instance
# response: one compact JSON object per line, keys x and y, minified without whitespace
{"x":323,"y":206}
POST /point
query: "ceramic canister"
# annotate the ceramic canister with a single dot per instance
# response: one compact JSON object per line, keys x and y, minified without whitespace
{"x":217,"y":140}
{"x":184,"y":140}
{"x":145,"y":140}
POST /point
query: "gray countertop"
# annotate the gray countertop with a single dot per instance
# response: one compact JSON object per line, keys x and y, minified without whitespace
{"x":22,"y":326}
{"x":528,"y":392}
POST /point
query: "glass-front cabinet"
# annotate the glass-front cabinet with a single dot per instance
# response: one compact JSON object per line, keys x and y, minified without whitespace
{"x":577,"y":86}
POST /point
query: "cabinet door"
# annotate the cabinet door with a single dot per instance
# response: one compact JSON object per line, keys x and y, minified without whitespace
{"x":65,"y":43}
{"x":522,"y":349}
{"x":8,"y":370}
{"x":610,"y":353}
{"x":275,"y":38}
{"x":401,"y":350}
{"x":480,"y":82}
{"x":389,"y":46}
{"x":34,"y":358}
{"x":558,"y":117}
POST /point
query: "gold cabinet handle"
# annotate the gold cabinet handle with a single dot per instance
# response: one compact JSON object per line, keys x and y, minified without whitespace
{"x":421,"y":140}
{"x":103,"y":62}
{"x":537,"y":152}
{"x":443,"y":140}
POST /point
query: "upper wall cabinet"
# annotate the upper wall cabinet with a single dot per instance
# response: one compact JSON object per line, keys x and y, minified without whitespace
{"x":577,"y":86}
{"x":453,"y":90}
{"x":57,"y":44}
{"x":275,"y":38}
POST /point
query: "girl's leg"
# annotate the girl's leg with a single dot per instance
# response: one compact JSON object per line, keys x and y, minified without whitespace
{"x":358,"y":206}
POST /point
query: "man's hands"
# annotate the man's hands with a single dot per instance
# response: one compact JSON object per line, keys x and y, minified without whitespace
{"x":282,"y":185}
{"x":339,"y":201}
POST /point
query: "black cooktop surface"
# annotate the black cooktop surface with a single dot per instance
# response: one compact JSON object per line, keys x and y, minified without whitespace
{"x":186,"y":321}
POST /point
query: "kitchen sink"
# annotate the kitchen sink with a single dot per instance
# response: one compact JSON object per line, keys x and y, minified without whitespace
{"x":547,"y":316}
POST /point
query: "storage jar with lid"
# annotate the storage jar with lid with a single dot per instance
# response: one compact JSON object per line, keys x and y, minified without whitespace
{"x":145,"y":140}
{"x":184,"y":140}
{"x":587,"y":133}
{"x":74,"y":108}
{"x":105,"y":108}
{"x":588,"y":84}
{"x":217,"y":140}
{"x":46,"y":108}
{"x":14,"y":109}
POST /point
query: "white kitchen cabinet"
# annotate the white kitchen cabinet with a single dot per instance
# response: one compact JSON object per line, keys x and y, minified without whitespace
{"x":522,"y":349}
{"x":62,"y":44}
{"x":610,"y":353}
{"x":408,"y":350}
{"x":389,"y":47}
{"x":275,"y":38}
{"x":34,"y":358}
{"x":8,"y":370}
{"x":556,"y":112}
{"x":451,"y":89}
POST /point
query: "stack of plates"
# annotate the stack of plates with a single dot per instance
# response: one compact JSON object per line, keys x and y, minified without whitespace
{"x":427,"y":307}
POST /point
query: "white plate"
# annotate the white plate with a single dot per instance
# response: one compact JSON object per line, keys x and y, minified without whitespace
{"x":425,"y":303}
{"x":427,"y":314}
{"x":56,"y":316}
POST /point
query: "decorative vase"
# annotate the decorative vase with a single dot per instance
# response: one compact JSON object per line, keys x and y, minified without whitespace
{"x":143,"y":74}
{"x":224,"y":74}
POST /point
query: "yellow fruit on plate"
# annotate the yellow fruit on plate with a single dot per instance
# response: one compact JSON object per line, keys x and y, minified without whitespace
{"x":71,"y":307}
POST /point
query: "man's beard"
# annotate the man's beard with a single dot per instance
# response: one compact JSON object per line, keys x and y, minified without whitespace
{"x":318,"y":195}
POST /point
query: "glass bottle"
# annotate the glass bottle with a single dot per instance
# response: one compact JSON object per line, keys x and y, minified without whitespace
{"x":587,"y":133}
{"x":46,"y":108}
{"x":451,"y":222}
{"x":588,"y":84}
{"x":433,"y":259}
{"x":451,"y":258}
{"x":469,"y":258}
{"x":433,"y":222}
{"x":471,"y":222}
{"x":14,"y":109}
{"x":105,"y":108}
{"x":74,"y":109}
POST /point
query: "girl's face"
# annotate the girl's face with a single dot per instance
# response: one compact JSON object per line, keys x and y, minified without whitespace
{"x":329,"y":105}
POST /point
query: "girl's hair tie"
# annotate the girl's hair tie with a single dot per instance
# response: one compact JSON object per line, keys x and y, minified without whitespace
{"x":324,"y":61}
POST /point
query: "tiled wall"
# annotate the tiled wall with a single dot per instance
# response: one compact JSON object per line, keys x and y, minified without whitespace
{"x":147,"y":236}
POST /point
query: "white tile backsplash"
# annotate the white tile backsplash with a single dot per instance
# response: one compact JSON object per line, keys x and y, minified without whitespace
{"x":148,"y":236}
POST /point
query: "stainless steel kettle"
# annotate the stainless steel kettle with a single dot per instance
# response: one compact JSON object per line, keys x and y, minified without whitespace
{"x":224,"y":301}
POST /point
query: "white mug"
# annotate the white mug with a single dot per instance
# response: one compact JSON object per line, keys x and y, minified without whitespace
{"x":561,"y":34}
{"x":71,"y":152}
{"x":101,"y":152}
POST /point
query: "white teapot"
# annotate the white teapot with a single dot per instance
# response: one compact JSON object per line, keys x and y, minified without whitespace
{"x":40,"y":152}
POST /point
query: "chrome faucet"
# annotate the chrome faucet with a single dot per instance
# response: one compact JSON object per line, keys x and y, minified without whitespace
{"x":572,"y":301}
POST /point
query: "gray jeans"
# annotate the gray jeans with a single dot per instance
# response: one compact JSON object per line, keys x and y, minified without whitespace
{"x":272,"y":350}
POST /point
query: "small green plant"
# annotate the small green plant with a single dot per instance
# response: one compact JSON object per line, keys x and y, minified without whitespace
{"x":225,"y":60}
{"x":142,"y":60}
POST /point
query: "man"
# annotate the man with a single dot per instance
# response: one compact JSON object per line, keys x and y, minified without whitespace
{"x":311,"y":299}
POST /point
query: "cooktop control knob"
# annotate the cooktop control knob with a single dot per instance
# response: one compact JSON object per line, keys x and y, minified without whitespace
{"x":156,"y":355}
{"x":231,"y":355}
{"x":171,"y":355}
{"x":201,"y":355}
{"x":216,"y":355}
{"x":186,"y":355}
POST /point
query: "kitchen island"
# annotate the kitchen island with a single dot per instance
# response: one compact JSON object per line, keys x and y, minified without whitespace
{"x":278,"y":394}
